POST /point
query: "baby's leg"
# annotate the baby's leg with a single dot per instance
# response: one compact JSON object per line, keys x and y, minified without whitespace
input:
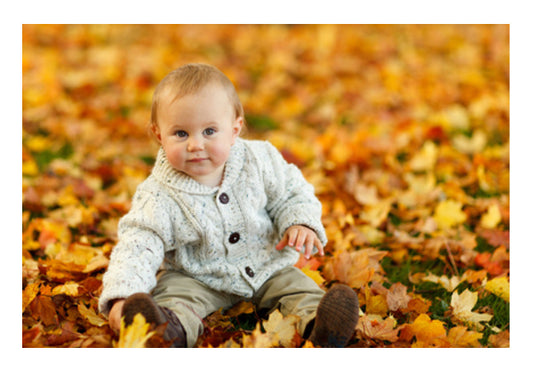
{"x":191,"y":300}
{"x":292,"y":292}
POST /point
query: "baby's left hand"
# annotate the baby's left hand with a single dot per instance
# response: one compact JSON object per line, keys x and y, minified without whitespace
{"x":299,"y":236}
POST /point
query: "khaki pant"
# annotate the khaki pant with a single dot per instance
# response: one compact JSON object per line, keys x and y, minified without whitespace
{"x":289,"y":290}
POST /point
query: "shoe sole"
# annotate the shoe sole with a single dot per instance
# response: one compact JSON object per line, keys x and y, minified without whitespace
{"x":336,"y":318}
{"x":145,"y":305}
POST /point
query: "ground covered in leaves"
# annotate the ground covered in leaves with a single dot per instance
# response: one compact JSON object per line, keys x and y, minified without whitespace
{"x":403,"y":130}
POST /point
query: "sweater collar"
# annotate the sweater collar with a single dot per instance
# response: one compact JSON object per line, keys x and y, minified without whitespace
{"x":166,"y":174}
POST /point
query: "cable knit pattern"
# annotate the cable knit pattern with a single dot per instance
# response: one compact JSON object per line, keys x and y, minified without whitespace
{"x":223,"y":236}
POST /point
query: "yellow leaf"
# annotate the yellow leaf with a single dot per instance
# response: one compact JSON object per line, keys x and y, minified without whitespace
{"x":366,"y":195}
{"x":500,"y":287}
{"x":29,"y":293}
{"x":70,"y":288}
{"x":377,"y":304}
{"x":448,"y":213}
{"x":377,"y":328}
{"x":375,"y":214}
{"x":492,"y":217}
{"x":135,"y":335}
{"x":90,"y":315}
{"x":460,"y":337}
{"x":462,"y":309}
{"x":30,"y":168}
{"x":426,"y":158}
{"x":448,"y":283}
{"x":428,"y":332}
{"x":355,"y":268}
{"x":314,"y":275}
{"x":472,"y":145}
{"x":282,"y":328}
{"x":372,"y":235}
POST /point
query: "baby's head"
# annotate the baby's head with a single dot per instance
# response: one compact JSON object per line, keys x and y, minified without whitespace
{"x":197,"y":116}
{"x":189,"y":79}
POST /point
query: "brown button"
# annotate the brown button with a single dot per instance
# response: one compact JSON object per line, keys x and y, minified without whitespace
{"x":223,"y":198}
{"x":249,"y":271}
{"x":234,"y":237}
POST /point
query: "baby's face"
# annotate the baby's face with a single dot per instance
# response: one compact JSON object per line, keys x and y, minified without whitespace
{"x":197,"y":132}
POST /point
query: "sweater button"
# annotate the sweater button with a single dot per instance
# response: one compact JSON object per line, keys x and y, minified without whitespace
{"x":234,"y":237}
{"x":223,"y":198}
{"x":249,"y":271}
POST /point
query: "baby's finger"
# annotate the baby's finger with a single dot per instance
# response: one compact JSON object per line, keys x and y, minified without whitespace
{"x":300,"y":241}
{"x":309,"y":244}
{"x":282,"y":243}
{"x":319,"y":247}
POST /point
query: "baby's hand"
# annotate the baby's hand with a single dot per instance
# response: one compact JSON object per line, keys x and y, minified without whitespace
{"x":115,"y":315}
{"x":299,"y":236}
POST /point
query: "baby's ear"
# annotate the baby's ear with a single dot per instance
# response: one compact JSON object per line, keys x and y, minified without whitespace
{"x":237,"y":126}
{"x":156,"y":132}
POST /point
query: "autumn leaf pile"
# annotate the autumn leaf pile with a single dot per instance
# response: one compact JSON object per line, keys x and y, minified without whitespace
{"x":403,"y":131}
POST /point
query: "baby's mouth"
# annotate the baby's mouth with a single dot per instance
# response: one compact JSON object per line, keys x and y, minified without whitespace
{"x":200,"y":159}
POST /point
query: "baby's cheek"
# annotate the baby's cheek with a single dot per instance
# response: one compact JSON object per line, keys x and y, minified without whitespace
{"x":220,"y":154}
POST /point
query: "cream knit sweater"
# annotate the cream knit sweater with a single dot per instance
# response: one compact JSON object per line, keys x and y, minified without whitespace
{"x":223,"y":236}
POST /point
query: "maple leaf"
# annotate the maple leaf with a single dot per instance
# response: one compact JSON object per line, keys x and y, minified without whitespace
{"x":448,"y":213}
{"x":428,"y":332}
{"x":461,"y":337}
{"x":376,"y":213}
{"x":135,"y":335}
{"x":426,"y":158}
{"x":375,"y":327}
{"x":355,"y":268}
{"x":70,"y":288}
{"x":448,"y":283}
{"x":500,"y":340}
{"x":491,"y":218}
{"x":314,"y":275}
{"x":29,"y":293}
{"x":462,"y":305}
{"x":397,"y":297}
{"x":500,"y":287}
{"x":90,"y":315}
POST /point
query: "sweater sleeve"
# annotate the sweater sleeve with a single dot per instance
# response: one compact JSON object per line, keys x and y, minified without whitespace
{"x":139,"y":253}
{"x":291,"y":199}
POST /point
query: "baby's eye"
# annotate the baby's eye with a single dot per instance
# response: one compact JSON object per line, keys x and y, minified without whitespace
{"x":209,"y":131}
{"x":181,"y":133}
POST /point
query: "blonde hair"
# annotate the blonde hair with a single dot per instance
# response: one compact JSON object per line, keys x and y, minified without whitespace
{"x":189,"y":79}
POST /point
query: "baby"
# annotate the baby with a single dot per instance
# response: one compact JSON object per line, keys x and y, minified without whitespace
{"x":225,"y":218}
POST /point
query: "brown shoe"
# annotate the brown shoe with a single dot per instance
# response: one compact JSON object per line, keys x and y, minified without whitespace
{"x":155,"y":314}
{"x":336,"y":317}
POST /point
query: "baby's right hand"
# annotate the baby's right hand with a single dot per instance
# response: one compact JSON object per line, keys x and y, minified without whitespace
{"x":115,"y":315}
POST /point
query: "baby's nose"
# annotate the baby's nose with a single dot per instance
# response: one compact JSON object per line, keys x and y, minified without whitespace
{"x":195,"y":144}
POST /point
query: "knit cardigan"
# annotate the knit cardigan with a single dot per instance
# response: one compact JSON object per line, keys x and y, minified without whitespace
{"x":223,"y":236}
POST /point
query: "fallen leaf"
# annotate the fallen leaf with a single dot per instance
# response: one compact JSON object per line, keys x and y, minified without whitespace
{"x":90,"y":315}
{"x":449,"y":284}
{"x":355,"y":268}
{"x":29,"y":293}
{"x":283,"y":329}
{"x":448,"y":214}
{"x":462,"y":305}
{"x":377,"y":328}
{"x":491,"y":218}
{"x":427,"y":332}
{"x":397,"y":297}
{"x":500,"y":340}
{"x":135,"y":335}
{"x":500,"y":287}
{"x":314,"y":275}
{"x":461,"y":337}
{"x":70,"y":288}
